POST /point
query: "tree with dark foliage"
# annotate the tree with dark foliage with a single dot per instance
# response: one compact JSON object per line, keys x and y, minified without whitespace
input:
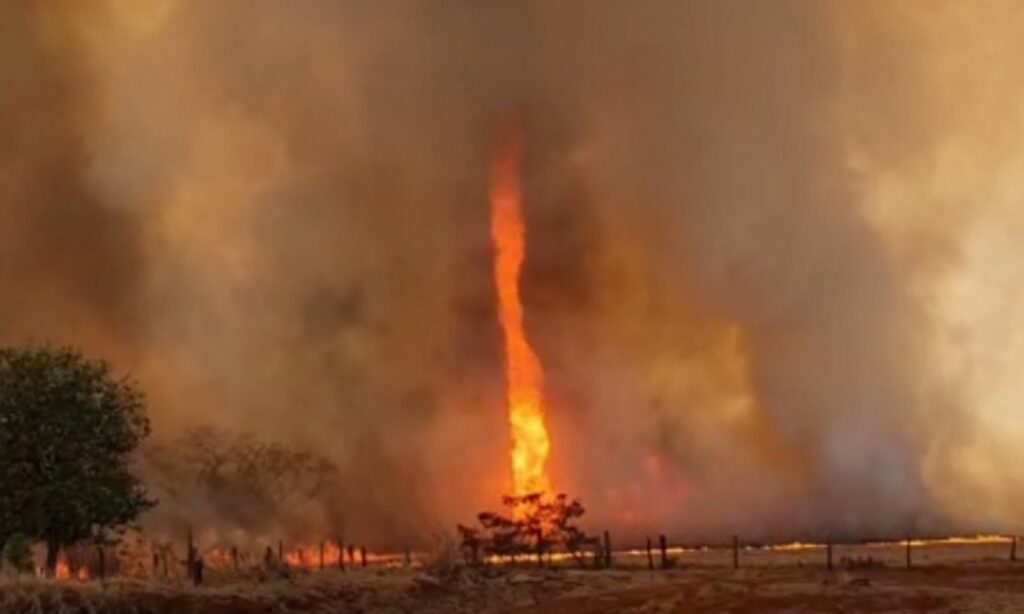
{"x":12,"y":502}
{"x":68,"y":428}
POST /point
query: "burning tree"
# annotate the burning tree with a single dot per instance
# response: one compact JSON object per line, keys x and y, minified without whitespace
{"x":536,"y":526}
{"x":68,"y":429}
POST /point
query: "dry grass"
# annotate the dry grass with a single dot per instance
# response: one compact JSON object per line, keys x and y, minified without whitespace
{"x":964,"y":579}
{"x":372,"y":590}
{"x":329,"y":591}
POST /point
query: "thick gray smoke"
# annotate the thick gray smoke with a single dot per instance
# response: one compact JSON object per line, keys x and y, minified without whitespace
{"x":760,"y":239}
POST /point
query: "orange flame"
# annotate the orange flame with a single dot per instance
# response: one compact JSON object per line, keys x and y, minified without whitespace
{"x":310,"y":557}
{"x":63,"y":570}
{"x":530,"y":443}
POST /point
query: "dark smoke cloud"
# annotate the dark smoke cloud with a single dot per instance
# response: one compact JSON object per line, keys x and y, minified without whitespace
{"x":276,"y":217}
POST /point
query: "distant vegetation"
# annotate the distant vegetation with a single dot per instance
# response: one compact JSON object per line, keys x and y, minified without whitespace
{"x":221,"y":477}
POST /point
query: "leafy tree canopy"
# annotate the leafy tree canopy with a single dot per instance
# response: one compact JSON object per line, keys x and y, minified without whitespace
{"x":68,"y":428}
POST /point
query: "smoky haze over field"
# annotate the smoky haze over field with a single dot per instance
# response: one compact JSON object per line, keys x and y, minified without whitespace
{"x":772,"y":251}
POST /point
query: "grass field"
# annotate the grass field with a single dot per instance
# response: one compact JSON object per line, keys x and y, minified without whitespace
{"x":945,"y":578}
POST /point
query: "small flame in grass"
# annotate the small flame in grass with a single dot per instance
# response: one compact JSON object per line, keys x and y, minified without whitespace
{"x":63,"y":570}
{"x":956,"y":540}
{"x":304,"y":556}
{"x":309,"y":558}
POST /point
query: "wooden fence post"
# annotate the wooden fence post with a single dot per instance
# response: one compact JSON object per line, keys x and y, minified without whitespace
{"x":607,"y":549}
{"x":190,"y":554}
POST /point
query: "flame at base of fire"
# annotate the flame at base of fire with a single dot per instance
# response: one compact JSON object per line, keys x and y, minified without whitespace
{"x":530,"y":448}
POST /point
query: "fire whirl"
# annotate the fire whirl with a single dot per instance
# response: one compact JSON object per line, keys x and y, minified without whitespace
{"x":529,"y":434}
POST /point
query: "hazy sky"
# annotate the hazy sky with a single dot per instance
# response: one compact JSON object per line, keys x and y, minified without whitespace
{"x":772,"y":246}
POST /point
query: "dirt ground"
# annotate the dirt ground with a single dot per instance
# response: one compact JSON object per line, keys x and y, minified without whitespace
{"x":795,"y":590}
{"x":944,"y":578}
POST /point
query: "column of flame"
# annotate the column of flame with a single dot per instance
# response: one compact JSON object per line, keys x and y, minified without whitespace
{"x":530,"y":443}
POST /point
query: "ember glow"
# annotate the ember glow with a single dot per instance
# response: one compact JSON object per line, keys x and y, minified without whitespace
{"x":530,"y":442}
{"x":325,"y":555}
{"x":311,"y":557}
{"x":63,"y":570}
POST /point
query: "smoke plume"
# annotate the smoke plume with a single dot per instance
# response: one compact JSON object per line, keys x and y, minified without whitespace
{"x":771,"y":246}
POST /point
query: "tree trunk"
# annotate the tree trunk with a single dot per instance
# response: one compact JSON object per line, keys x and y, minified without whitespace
{"x":3,"y":547}
{"x":52,"y":550}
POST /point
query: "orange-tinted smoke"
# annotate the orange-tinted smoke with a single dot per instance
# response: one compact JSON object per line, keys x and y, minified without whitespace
{"x":530,"y":442}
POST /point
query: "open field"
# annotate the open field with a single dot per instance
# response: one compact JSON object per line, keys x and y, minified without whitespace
{"x":945,"y":578}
